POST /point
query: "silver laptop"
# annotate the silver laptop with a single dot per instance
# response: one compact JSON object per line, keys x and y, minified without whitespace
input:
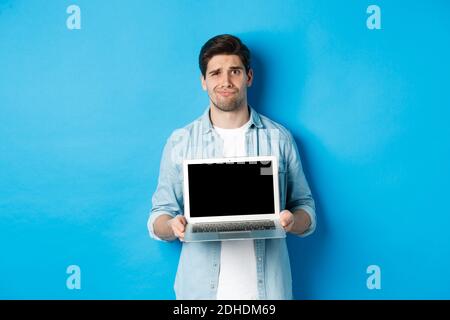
{"x":231,"y":199}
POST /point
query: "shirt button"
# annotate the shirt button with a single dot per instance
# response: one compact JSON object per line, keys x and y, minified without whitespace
{"x":260,"y":281}
{"x":212,"y":286}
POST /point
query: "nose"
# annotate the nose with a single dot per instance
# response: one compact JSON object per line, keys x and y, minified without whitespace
{"x":226,"y":83}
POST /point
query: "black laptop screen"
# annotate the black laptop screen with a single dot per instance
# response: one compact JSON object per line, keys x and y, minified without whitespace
{"x":227,"y":189}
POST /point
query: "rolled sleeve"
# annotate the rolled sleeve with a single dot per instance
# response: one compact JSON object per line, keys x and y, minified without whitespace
{"x":298,"y":193}
{"x":168,"y":197}
{"x":151,"y":220}
{"x":312,"y":215}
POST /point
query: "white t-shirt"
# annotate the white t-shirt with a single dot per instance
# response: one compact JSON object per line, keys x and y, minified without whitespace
{"x":237,"y":276}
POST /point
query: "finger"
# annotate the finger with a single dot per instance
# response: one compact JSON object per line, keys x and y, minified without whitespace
{"x":284,"y":212}
{"x":180,"y":226}
{"x":182,"y":219}
{"x":284,"y":220}
{"x":289,"y":226}
{"x":179,"y":233}
{"x":287,"y":223}
{"x":178,"y":229}
{"x":286,"y":215}
{"x":177,"y":221}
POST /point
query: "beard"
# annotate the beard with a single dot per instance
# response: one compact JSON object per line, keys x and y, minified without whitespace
{"x":227,"y":105}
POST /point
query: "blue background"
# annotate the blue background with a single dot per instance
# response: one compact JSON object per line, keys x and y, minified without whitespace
{"x":84,"y":115}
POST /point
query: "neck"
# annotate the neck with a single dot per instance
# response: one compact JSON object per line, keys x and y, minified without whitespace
{"x":229,"y":119}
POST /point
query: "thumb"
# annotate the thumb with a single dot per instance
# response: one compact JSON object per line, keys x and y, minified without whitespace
{"x":285,"y":217}
{"x":284,"y":213}
{"x":182,"y":219}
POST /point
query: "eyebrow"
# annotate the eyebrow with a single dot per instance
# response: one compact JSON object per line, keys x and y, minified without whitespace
{"x":231,"y":68}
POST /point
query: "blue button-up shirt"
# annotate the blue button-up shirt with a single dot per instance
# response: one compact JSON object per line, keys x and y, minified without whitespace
{"x":198,"y":269}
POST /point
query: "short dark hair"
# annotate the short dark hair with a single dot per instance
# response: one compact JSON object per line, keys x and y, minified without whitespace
{"x":223,"y":44}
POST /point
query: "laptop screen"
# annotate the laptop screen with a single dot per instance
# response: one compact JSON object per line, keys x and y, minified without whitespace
{"x":234,"y":188}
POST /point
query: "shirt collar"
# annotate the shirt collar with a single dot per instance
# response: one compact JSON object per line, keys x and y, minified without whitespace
{"x":207,"y":126}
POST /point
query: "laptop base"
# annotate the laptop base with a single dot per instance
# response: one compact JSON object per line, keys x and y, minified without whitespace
{"x":190,"y":236}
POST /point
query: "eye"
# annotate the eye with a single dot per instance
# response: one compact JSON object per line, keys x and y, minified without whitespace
{"x":236,"y":72}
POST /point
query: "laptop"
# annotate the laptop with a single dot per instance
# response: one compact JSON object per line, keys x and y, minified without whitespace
{"x":231,"y":199}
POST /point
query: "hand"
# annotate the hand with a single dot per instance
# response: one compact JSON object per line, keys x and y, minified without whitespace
{"x":178,"y":225}
{"x":287,"y":220}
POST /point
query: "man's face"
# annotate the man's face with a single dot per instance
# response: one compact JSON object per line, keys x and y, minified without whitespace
{"x":226,"y":82}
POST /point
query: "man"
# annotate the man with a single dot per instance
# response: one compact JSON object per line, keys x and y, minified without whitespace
{"x":243,"y":269}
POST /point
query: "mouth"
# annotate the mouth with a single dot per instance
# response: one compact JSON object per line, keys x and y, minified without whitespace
{"x":226,"y":93}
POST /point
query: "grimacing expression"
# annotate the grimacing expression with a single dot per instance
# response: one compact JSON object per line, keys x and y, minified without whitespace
{"x":226,"y":82}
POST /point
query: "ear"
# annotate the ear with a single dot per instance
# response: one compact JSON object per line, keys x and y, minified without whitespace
{"x":249,"y":77}
{"x":202,"y":80}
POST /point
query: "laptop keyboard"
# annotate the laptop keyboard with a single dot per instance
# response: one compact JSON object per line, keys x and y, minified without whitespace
{"x":233,"y":226}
